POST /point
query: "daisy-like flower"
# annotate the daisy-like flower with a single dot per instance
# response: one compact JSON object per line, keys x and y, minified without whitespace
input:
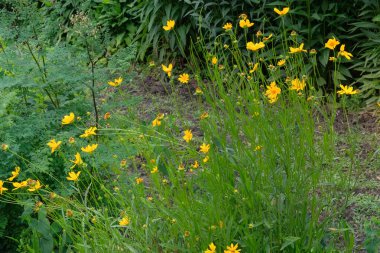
{"x":245,"y":23}
{"x":116,"y":82}
{"x":272,"y":92}
{"x":198,"y":91}
{"x":204,"y":148}
{"x":344,"y":53}
{"x":195,"y":164}
{"x":211,"y":248}
{"x":15,"y":174}
{"x":227,"y":27}
{"x":34,"y":185}
{"x":89,"y":132}
{"x":255,"y":46}
{"x":169,"y":25}
{"x":18,"y":185}
{"x":71,"y":140}
{"x":167,"y":69}
{"x":281,"y":62}
{"x":181,"y":167}
{"x":73,"y":176}
{"x":68,"y":119}
{"x":89,"y":148}
{"x":156,"y":122}
{"x":282,"y":12}
{"x":204,"y":115}
{"x":184,"y":78}
{"x":298,"y":85}
{"x":154,"y":170}
{"x":254,"y":68}
{"x":78,"y":160}
{"x":214,"y":60}
{"x":54,"y":145}
{"x":107,"y":115}
{"x":332,"y":43}
{"x":294,"y":50}
{"x":232,"y":248}
{"x":2,"y":188}
{"x":139,"y":180}
{"x":124,"y":221}
{"x":187,"y":135}
{"x":345,"y":90}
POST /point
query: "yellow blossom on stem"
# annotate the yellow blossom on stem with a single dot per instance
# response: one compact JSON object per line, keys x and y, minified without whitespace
{"x":195,"y":164}
{"x":245,"y":23}
{"x":116,"y":82}
{"x":205,"y":160}
{"x":169,"y":25}
{"x":281,"y":62}
{"x":294,"y":50}
{"x":34,"y":185}
{"x":89,"y":148}
{"x":156,"y":122}
{"x":73,"y":176}
{"x":232,"y":248}
{"x":214,"y":60}
{"x":187,"y":135}
{"x":344,"y":53}
{"x":198,"y":91}
{"x":298,"y":85}
{"x":2,"y":188}
{"x":78,"y":160}
{"x":345,"y":90}
{"x":282,"y":12}
{"x":139,"y":180}
{"x":211,"y":248}
{"x":89,"y":132}
{"x":15,"y":174}
{"x":272,"y":92}
{"x":332,"y":43}
{"x":68,"y":119}
{"x":107,"y":115}
{"x":255,"y":46}
{"x":181,"y":167}
{"x":18,"y":185}
{"x":54,"y":145}
{"x":227,"y":27}
{"x":167,"y":69}
{"x":71,"y":140}
{"x":255,"y":67}
{"x":184,"y":78}
{"x":204,"y":148}
{"x":204,"y":115}
{"x":154,"y":170}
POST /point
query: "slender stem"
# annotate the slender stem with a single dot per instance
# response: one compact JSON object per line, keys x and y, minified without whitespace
{"x":93,"y":84}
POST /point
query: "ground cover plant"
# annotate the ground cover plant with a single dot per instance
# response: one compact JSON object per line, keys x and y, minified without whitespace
{"x":243,"y":151}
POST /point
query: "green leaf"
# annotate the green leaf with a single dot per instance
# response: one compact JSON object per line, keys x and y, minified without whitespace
{"x":324,"y":57}
{"x":290,"y":240}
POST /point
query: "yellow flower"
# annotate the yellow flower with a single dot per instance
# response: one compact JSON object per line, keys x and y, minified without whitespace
{"x":332,"y":43}
{"x":232,"y":248}
{"x":227,"y":27}
{"x":4,"y":147}
{"x":258,"y":147}
{"x":299,"y":49}
{"x":259,"y":34}
{"x":15,"y":173}
{"x":204,"y":115}
{"x":184,"y":78}
{"x":332,"y":58}
{"x":245,"y":23}
{"x":2,"y":188}
{"x":154,"y":170}
{"x":205,"y":160}
{"x":188,"y":135}
{"x":167,"y":69}
{"x":116,"y":82}
{"x":343,"y":53}
{"x":34,"y":185}
{"x":124,"y":221}
{"x":298,"y":85}
{"x":268,"y":38}
{"x":281,"y":62}
{"x":204,"y":148}
{"x":68,"y":119}
{"x":89,"y":148}
{"x":181,"y":167}
{"x":69,"y":213}
{"x":156,"y":122}
{"x":169,"y":25}
{"x":18,"y":185}
{"x":198,"y":91}
{"x":345,"y":90}
{"x":214,"y":60}
{"x":243,"y":16}
{"x":139,"y":180}
{"x":255,"y":46}
{"x":254,"y":68}
{"x":78,"y":160}
{"x":107,"y":115}
{"x":54,"y":145}
{"x":272,"y":92}
{"x":283,"y":12}
{"x":89,"y":132}
{"x":73,"y":176}
{"x":195,"y":165}
{"x":211,"y":248}
{"x":71,"y":140}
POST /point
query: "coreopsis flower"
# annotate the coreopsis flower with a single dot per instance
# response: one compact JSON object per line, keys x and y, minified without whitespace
{"x":69,"y":213}
{"x":211,"y":248}
{"x":184,"y":78}
{"x":18,"y":185}
{"x":254,"y":68}
{"x":124,"y":221}
{"x":181,"y":167}
{"x":214,"y":60}
{"x":345,"y":90}
{"x":187,"y":135}
{"x":267,"y":38}
{"x":243,"y":16}
{"x":205,"y":160}
{"x":73,"y":176}
{"x":198,"y":91}
{"x":107,"y":115}
{"x":204,"y":115}
{"x":71,"y":140}
{"x":4,"y":147}
{"x":258,"y":147}
{"x":333,"y":59}
{"x":89,"y":148}
{"x":34,"y":185}
{"x":272,"y":92}
{"x":123,"y":162}
{"x":89,"y":132}
{"x":116,"y":82}
{"x":167,"y":69}
{"x":259,"y":34}
{"x":139,"y":180}
{"x":294,"y":50}
{"x":68,"y":119}
{"x":2,"y":188}
{"x":195,"y":164}
{"x":282,"y":12}
{"x":169,"y":25}
{"x":298,"y":85}
{"x":232,"y":248}
{"x":245,"y":23}
{"x":154,"y":170}
{"x":156,"y":122}
{"x":204,"y":148}
{"x":281,"y":62}
{"x":54,"y":145}
{"x":187,"y":233}
{"x":78,"y":160}
{"x":15,"y":174}
{"x":332,"y":43}
{"x":344,"y":53}
{"x":255,"y":46}
{"x":227,"y":27}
